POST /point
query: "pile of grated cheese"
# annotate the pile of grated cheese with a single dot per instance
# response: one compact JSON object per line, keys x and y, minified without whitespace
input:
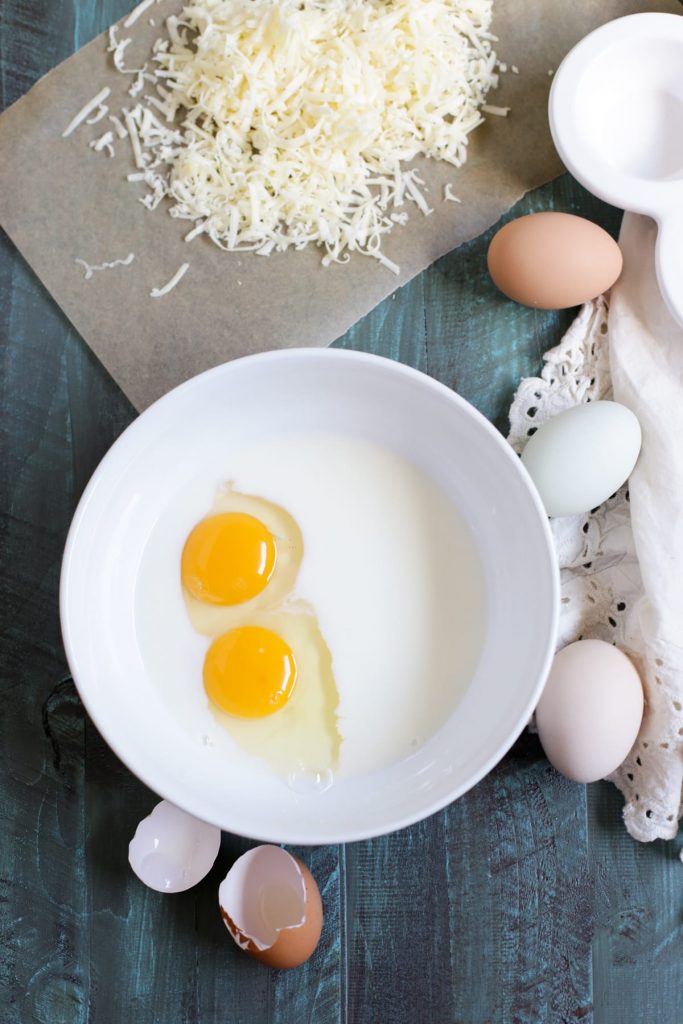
{"x":281,"y":123}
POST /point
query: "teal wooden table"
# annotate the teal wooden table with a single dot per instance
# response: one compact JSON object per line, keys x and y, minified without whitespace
{"x":523,"y":903}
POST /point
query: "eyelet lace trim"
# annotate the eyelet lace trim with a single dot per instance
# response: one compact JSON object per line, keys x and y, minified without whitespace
{"x":602,"y":592}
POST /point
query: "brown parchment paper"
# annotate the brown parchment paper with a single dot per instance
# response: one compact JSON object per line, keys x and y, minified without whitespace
{"x":60,"y":201}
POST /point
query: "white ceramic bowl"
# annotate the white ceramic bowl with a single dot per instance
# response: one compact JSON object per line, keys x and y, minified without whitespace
{"x":257,"y":397}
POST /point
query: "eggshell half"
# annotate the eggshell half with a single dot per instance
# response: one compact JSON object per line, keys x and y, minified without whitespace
{"x":271,"y":905}
{"x":580,"y":457}
{"x":553,"y":260}
{"x":591,"y":709}
{"x":171,"y":850}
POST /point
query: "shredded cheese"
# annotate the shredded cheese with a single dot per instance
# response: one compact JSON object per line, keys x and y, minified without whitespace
{"x":499,"y":112}
{"x":139,"y":83}
{"x":101,"y":112}
{"x":448,"y":194}
{"x":489,"y":108}
{"x":275,"y":124}
{"x":90,"y":270}
{"x":94,"y":104}
{"x":157,"y":293}
{"x":118,"y":127}
{"x":117,"y":47}
{"x":138,"y":11}
{"x":105,"y":142}
{"x":131,"y":127}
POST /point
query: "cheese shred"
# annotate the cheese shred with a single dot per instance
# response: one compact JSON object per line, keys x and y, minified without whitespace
{"x":490,"y":108}
{"x":93,"y":105}
{"x":90,"y":270}
{"x":138,"y":11}
{"x":158,"y":293}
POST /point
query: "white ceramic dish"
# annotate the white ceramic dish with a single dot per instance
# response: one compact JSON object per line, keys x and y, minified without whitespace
{"x":616,"y":117}
{"x":261,"y":396}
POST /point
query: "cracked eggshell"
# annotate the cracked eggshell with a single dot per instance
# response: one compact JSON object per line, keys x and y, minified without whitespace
{"x":171,"y":850}
{"x":271,"y":905}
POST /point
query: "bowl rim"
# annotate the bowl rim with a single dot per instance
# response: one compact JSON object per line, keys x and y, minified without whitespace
{"x":311,"y":835}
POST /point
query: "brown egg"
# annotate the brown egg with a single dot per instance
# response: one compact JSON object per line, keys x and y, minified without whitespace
{"x":553,"y":260}
{"x":271,"y":905}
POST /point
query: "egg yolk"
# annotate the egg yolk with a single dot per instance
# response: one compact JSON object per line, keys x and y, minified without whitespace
{"x":249,"y":672}
{"x":228,"y":558}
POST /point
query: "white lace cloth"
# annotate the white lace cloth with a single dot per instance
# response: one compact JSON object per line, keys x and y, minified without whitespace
{"x":622,"y":564}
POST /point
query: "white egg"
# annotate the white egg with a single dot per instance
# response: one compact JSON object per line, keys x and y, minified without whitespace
{"x":580,"y":457}
{"x":171,"y":850}
{"x":591,"y":709}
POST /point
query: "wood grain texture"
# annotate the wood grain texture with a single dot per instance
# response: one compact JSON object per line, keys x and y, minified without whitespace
{"x":523,"y":903}
{"x":638,"y":929}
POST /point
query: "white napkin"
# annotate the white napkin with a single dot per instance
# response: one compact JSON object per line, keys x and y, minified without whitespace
{"x":646,"y":361}
{"x":622,"y":567}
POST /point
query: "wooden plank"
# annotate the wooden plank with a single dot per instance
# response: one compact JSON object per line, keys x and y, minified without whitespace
{"x":638,"y":942}
{"x":480,"y":914}
{"x":519,"y":886}
{"x":44,"y":947}
{"x":399,"y":927}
